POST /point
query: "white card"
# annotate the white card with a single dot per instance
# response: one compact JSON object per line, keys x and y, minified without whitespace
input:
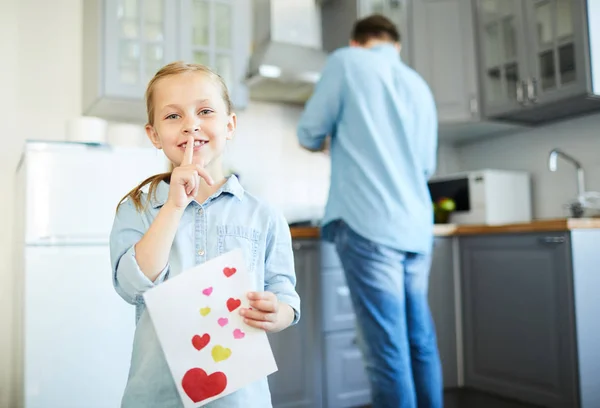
{"x":210,"y":351}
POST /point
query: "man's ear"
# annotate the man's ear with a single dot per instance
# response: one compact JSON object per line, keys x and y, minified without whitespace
{"x":153,"y":136}
{"x":231,"y":126}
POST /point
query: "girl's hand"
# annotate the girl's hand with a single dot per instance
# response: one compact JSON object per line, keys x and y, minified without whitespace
{"x":186,"y":179}
{"x":266,"y":312}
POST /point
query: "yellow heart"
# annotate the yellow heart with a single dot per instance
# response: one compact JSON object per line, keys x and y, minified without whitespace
{"x":204,"y":311}
{"x":220,"y":353}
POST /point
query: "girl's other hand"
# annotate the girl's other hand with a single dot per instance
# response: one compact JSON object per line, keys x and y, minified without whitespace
{"x":186,"y":179}
{"x":266,"y":312}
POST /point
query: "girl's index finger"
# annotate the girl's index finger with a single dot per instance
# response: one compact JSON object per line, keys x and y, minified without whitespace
{"x":188,"y":155}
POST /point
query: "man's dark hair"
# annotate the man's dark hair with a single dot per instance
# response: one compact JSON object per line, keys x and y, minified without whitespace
{"x":375,"y":26}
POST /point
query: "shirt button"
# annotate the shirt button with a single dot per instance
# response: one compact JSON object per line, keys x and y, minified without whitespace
{"x":200,"y":211}
{"x":201,"y":252}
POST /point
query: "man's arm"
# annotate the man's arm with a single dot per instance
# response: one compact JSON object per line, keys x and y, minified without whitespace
{"x":322,"y":111}
{"x":431,"y":146}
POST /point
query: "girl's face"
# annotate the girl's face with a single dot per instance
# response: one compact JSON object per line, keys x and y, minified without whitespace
{"x":190,"y":104}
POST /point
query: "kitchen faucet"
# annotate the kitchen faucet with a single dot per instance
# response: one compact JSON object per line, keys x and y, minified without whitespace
{"x":552,"y":165}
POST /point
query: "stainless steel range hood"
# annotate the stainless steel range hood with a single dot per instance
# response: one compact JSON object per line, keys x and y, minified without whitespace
{"x":287,"y":59}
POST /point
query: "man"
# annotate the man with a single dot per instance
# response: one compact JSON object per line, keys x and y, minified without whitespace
{"x":382,"y":122}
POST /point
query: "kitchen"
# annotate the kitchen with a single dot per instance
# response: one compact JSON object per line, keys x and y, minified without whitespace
{"x":443,"y":47}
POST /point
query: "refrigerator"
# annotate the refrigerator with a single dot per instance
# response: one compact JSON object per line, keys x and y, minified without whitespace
{"x":72,"y":333}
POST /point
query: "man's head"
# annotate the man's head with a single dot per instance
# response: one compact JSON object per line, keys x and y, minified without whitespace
{"x":374,"y":30}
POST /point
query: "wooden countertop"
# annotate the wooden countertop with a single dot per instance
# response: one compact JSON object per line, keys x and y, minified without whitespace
{"x":560,"y":224}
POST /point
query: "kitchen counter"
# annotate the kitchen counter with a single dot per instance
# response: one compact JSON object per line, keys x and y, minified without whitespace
{"x":559,"y":224}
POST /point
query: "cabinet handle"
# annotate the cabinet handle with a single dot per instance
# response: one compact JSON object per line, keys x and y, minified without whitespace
{"x":520,"y":97}
{"x":343,"y":291}
{"x":473,"y":105}
{"x":532,"y":89}
{"x":297,"y":245}
{"x":552,"y":240}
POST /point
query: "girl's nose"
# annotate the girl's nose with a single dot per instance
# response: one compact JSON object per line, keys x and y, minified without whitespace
{"x":191,"y":128}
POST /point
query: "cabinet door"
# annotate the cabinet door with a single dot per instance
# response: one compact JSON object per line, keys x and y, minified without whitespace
{"x":347,"y":382}
{"x":397,"y":11}
{"x":503,"y":55}
{"x":442,"y":301}
{"x":214,"y":33}
{"x":444,"y":54}
{"x":519,"y":317}
{"x":297,"y":350}
{"x":140,"y":39}
{"x":557,"y":62}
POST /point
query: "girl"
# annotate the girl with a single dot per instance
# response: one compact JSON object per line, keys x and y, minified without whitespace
{"x":176,"y":220}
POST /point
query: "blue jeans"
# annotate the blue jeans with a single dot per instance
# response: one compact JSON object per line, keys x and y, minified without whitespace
{"x":395,"y":330}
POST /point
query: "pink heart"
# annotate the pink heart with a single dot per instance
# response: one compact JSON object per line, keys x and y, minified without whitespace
{"x":223,"y":321}
{"x":238,"y":334}
{"x":207,"y":291}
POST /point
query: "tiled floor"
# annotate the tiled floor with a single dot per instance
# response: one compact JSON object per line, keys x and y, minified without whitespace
{"x":474,"y":399}
{"x":464,"y":398}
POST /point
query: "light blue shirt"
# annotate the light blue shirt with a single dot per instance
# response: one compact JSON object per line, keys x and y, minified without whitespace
{"x":382,"y":119}
{"x":229,"y":219}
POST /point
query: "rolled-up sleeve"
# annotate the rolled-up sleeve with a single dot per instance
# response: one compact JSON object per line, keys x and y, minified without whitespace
{"x":128,"y":279}
{"x":280,"y":276}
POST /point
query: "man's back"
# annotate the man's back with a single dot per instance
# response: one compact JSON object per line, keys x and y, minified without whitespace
{"x":382,"y":119}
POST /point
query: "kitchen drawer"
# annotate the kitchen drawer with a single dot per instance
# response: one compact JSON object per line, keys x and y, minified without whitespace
{"x":347,"y":384}
{"x":338,"y":313}
{"x":329,"y":256}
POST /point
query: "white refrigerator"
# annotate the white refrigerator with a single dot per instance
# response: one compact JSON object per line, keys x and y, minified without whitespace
{"x":73,"y":333}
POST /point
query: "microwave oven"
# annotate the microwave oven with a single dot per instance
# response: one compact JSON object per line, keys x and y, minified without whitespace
{"x":489,"y":197}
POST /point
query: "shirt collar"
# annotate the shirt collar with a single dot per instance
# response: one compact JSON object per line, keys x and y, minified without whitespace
{"x":232,"y":186}
{"x":387,"y":49}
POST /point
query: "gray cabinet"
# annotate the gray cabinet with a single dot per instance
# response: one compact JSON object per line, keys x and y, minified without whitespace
{"x":345,"y":376}
{"x":338,"y":18}
{"x":519,"y":317}
{"x":443,"y":282}
{"x":298,"y":349}
{"x":534,"y":59}
{"x":127,"y":41}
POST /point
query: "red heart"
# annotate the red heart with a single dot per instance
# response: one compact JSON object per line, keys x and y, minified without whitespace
{"x":200,"y":342}
{"x":199,"y":386}
{"x":229,"y":271}
{"x":233,"y":304}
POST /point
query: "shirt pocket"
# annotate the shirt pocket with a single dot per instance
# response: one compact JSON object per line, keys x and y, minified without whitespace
{"x":232,"y":237}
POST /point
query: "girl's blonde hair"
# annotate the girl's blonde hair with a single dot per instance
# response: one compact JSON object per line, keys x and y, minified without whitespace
{"x":174,"y":68}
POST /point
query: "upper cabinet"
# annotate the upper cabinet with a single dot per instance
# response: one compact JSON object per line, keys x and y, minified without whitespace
{"x":535,"y":59}
{"x":127,"y":41}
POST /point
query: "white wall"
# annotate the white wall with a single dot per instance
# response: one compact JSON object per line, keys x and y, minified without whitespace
{"x":529,"y":151}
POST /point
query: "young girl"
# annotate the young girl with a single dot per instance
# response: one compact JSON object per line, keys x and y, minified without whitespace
{"x":188,"y":216}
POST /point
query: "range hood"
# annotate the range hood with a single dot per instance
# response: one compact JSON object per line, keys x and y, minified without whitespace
{"x":287,"y":58}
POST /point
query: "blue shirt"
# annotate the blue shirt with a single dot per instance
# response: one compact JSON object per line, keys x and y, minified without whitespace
{"x":229,"y":219}
{"x":382,"y":120}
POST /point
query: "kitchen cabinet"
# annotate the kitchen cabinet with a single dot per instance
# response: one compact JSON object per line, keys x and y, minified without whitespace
{"x":443,"y":284}
{"x":338,"y":18}
{"x":298,"y":349}
{"x":534,"y":61}
{"x":127,"y":41}
{"x":519,"y":317}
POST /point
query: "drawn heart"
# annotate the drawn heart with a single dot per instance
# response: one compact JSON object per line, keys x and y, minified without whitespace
{"x":200,"y":342}
{"x":220,"y":353}
{"x":233,"y":304}
{"x":223,"y":321}
{"x":199,"y":386}
{"x":229,"y":271}
{"x":238,"y":334}
{"x":207,"y":291}
{"x":204,"y":311}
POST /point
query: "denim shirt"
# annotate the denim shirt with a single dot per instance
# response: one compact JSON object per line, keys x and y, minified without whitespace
{"x":383,"y":130}
{"x":229,"y":219}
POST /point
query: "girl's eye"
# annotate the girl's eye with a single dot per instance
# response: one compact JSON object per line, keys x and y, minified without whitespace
{"x":172,"y":116}
{"x":205,"y":112}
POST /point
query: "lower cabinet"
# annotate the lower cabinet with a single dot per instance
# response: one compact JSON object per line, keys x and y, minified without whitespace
{"x":519,"y":317}
{"x":298,"y":350}
{"x":443,"y":283}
